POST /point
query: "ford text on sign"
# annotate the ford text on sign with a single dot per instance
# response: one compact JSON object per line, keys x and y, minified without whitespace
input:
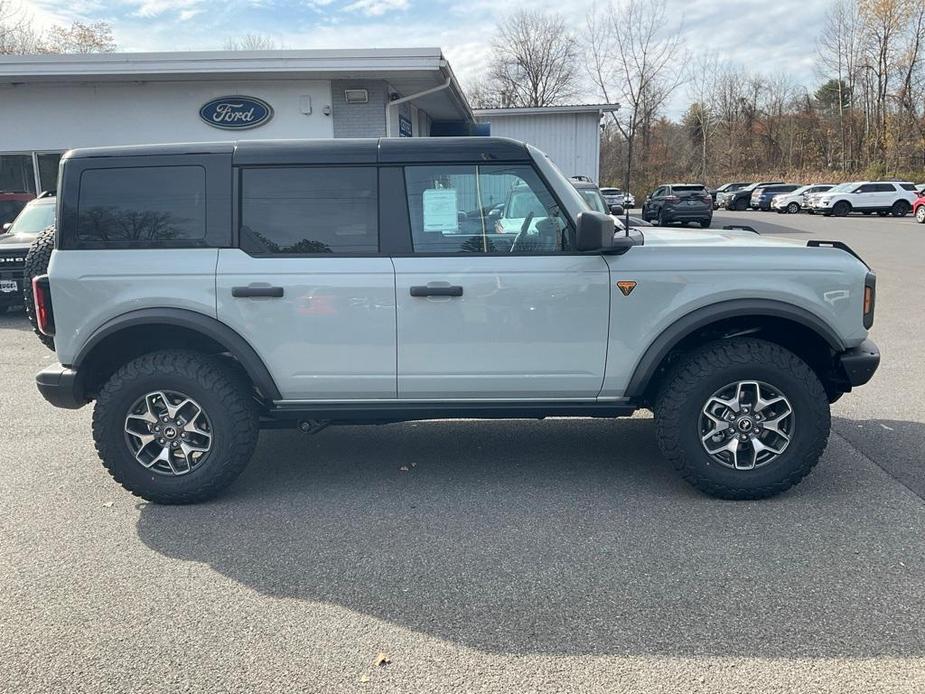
{"x":236,"y":112}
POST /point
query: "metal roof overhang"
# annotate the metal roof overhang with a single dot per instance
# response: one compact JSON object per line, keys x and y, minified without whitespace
{"x":408,"y":71}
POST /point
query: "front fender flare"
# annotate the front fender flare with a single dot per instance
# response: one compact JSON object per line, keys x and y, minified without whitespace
{"x":700,"y":318}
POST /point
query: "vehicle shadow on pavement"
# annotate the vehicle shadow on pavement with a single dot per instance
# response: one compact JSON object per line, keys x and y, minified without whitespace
{"x":14,"y":320}
{"x":562,"y":537}
{"x":896,"y":446}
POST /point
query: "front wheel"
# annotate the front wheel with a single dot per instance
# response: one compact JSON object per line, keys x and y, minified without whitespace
{"x":742,"y":418}
{"x":175,"y":427}
{"x":793,"y":208}
{"x":740,"y":205}
{"x":841,"y":208}
{"x":920,"y":214}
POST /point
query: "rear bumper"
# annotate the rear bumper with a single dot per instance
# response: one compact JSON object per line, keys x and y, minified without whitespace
{"x":860,"y":363}
{"x":59,"y":385}
{"x":687,"y":216}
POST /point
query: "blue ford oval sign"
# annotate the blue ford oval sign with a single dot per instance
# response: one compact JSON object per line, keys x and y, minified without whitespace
{"x":236,"y":112}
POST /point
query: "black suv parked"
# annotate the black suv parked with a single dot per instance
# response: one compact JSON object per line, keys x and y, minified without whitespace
{"x":684,"y":202}
{"x":740,"y":199}
{"x":14,"y":244}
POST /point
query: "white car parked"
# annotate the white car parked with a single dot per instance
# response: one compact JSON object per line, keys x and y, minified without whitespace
{"x":882,"y":197}
{"x":791,"y":203}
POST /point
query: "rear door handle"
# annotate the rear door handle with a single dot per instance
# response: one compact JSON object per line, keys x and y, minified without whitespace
{"x":243,"y":292}
{"x":452,"y":290}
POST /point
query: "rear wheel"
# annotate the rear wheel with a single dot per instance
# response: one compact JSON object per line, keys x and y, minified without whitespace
{"x":841,"y":208}
{"x":175,"y":427}
{"x":742,"y":418}
{"x":900,"y":208}
{"x":705,"y":223}
{"x":740,"y":205}
{"x":882,"y":213}
{"x":793,"y":208}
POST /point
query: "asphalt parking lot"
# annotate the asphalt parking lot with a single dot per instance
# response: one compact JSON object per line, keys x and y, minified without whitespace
{"x":562,"y":555}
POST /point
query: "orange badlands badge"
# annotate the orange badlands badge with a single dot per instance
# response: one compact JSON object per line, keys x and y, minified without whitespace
{"x":626,"y":286}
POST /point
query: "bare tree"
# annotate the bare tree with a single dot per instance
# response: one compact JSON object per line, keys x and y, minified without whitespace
{"x":79,"y":38}
{"x":17,"y":35}
{"x":534,"y":60}
{"x":838,"y":50}
{"x":634,"y":57}
{"x":251,"y":42}
{"x":703,"y":88}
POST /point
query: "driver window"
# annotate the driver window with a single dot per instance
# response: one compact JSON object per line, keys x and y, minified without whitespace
{"x":487,"y":209}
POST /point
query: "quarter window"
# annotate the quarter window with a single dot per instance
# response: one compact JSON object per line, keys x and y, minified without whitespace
{"x":138,"y":207}
{"x":309,"y":210}
{"x":484,"y":209}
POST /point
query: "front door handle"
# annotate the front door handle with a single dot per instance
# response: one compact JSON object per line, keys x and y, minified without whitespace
{"x":243,"y":292}
{"x":452,"y":290}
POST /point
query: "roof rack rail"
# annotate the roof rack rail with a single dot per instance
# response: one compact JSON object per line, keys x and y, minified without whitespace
{"x":840,"y":245}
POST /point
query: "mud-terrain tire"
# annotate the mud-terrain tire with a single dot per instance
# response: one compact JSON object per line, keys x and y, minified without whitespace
{"x":696,"y":380}
{"x":37,"y":264}
{"x":230,"y":419}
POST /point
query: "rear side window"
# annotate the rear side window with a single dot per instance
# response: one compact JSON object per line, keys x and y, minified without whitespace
{"x":142,"y":207}
{"x":309,"y":210}
{"x":907,"y":186}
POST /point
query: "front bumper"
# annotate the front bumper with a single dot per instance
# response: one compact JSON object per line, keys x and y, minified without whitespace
{"x":60,"y":386}
{"x":860,"y":363}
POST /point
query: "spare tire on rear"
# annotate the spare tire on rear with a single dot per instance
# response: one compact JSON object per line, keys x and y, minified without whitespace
{"x":37,"y":264}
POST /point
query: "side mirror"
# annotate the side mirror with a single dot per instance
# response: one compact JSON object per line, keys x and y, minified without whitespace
{"x":495,"y":214}
{"x":595,"y":232}
{"x":616,"y":210}
{"x":6,"y":227}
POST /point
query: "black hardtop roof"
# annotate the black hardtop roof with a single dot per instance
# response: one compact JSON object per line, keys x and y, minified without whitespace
{"x":394,"y":150}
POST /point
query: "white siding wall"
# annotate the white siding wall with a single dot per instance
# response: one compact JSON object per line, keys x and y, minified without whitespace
{"x":572,"y":140}
{"x":56,"y":117}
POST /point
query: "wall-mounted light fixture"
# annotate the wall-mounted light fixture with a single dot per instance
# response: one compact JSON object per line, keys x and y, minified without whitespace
{"x":356,"y":96}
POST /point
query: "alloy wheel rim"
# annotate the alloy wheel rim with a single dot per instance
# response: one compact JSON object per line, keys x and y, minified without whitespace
{"x":168,"y":432}
{"x":746,"y":425}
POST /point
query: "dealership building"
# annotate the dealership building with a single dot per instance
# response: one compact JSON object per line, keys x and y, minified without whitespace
{"x":52,"y":103}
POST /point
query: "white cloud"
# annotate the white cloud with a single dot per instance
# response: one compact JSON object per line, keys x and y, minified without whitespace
{"x":376,"y":8}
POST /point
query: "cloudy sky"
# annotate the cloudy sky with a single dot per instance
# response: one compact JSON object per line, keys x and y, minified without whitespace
{"x":761,"y":36}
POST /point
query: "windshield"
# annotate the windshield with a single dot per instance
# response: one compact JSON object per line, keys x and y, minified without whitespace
{"x":33,"y":219}
{"x":594,"y":200}
{"x":800,"y":190}
{"x":843,"y":188}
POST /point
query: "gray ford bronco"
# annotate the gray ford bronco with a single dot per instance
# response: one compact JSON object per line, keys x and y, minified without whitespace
{"x":200,"y":292}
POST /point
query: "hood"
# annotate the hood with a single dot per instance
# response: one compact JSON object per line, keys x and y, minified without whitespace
{"x":659,"y":236}
{"x":11,"y":241}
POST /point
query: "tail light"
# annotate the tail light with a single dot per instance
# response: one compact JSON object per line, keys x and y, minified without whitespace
{"x":672,"y":199}
{"x":41,"y":296}
{"x":870,"y":299}
{"x":708,"y":198}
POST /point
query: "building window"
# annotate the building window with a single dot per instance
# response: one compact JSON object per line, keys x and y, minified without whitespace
{"x":17,"y":174}
{"x":309,"y":210}
{"x":48,"y":170}
{"x":145,"y":206}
